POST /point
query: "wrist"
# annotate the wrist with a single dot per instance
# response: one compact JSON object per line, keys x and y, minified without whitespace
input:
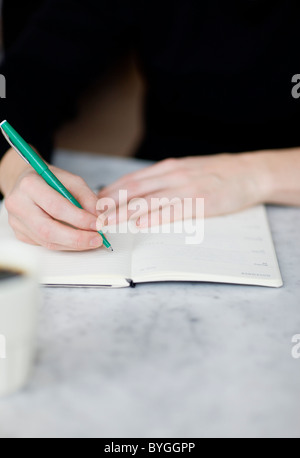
{"x":283,"y":168}
{"x":276,"y":174}
{"x":259,"y":171}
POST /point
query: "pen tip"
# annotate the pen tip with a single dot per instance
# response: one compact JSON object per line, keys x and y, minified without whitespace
{"x":111,"y":249}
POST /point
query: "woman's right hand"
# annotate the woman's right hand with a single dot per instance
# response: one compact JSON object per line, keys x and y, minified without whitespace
{"x":39,"y":215}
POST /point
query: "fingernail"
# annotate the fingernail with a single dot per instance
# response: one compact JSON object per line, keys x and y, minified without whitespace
{"x":96,"y":242}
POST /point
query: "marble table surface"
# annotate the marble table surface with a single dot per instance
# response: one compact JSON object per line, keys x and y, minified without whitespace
{"x":165,"y":360}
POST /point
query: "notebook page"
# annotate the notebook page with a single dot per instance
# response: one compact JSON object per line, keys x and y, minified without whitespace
{"x":99,"y":267}
{"x":236,"y":249}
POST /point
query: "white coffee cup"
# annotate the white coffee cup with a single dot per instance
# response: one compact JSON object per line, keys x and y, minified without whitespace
{"x":19,"y":299}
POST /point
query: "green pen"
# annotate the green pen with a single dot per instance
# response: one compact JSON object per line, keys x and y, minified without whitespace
{"x":33,"y":159}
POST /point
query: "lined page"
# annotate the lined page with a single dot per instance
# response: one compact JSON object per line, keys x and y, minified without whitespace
{"x":236,"y":249}
{"x":94,"y":268}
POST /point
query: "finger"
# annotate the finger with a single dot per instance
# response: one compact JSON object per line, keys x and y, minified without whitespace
{"x":78,"y":188}
{"x":148,"y":205}
{"x":61,"y":209}
{"x":136,"y":189}
{"x":166,"y":208}
{"x":146,"y":187}
{"x":53,"y":234}
{"x":55,"y":205}
{"x":20,"y":231}
{"x":57,"y":236}
{"x":157,"y":170}
{"x":163,"y":215}
{"x":85,"y":196}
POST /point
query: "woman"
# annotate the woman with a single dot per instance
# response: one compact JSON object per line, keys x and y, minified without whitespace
{"x":219,"y":104}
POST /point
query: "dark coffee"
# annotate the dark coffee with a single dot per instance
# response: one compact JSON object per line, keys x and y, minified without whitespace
{"x":7,"y":274}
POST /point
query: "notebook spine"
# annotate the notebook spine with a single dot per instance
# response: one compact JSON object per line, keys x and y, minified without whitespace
{"x":130,"y":282}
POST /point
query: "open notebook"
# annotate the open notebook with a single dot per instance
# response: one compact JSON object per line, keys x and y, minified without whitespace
{"x":236,"y":249}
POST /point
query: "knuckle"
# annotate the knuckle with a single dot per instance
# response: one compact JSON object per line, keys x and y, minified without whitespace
{"x":27,"y":184}
{"x":171,"y":162}
{"x":11,"y":203}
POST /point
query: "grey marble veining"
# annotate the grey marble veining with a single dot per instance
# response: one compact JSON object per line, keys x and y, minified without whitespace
{"x":177,"y":360}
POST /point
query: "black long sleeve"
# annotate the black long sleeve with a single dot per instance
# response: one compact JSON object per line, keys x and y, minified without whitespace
{"x":64,"y":47}
{"x":219,"y":74}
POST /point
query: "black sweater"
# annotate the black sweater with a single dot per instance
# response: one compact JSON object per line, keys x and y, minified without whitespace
{"x":218,"y":72}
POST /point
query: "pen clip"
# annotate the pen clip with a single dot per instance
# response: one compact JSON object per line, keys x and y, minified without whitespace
{"x":13,"y":146}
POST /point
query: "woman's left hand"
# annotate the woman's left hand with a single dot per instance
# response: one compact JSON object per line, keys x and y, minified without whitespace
{"x":227,"y":183}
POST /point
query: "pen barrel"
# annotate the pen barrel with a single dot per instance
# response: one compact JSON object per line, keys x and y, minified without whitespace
{"x":26,"y":150}
{"x":52,"y":181}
